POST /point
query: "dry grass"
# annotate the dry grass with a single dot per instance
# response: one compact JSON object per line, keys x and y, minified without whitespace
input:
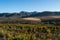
{"x":49,"y":17}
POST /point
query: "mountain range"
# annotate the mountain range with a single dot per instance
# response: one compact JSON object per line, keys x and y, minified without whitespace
{"x":31,"y":16}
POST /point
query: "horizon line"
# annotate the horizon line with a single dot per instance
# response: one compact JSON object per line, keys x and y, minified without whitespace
{"x":29,"y":11}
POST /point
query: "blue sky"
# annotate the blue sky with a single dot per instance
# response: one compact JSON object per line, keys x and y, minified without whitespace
{"x":29,"y":5}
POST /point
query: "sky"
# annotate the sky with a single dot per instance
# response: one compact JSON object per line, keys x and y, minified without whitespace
{"x":29,"y":5}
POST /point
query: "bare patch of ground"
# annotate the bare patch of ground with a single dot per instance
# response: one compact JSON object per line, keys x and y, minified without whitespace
{"x":31,"y":19}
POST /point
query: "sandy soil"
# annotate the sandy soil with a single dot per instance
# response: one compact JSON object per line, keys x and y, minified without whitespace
{"x":32,"y":19}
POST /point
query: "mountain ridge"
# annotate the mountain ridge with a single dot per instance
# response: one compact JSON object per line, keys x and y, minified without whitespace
{"x":30,"y":14}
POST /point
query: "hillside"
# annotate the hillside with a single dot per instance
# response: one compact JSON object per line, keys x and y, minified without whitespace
{"x":30,"y":16}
